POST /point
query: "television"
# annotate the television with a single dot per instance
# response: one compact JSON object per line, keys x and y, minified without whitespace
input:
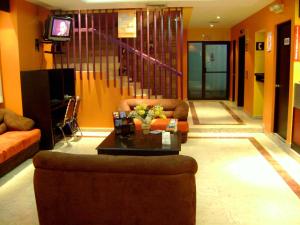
{"x":4,"y":5}
{"x":58,"y":28}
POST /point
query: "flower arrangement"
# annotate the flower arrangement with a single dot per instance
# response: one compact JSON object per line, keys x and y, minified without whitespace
{"x":147,"y":113}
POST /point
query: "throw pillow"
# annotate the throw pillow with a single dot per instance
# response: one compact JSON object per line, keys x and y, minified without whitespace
{"x":14,"y":121}
{"x":181,"y":111}
{"x":3,"y":128}
{"x":2,"y":112}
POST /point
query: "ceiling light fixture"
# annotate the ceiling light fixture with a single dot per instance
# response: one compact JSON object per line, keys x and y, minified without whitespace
{"x":276,"y":8}
{"x":211,"y":25}
{"x":218,"y":17}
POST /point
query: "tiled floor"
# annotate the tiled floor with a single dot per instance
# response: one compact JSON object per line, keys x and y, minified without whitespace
{"x":244,"y":177}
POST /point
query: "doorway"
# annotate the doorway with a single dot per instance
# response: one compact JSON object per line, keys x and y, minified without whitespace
{"x":282,"y":78}
{"x":241,"y":71}
{"x":233,"y":69}
{"x":208,"y":70}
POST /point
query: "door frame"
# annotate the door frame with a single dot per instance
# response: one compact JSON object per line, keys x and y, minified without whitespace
{"x":228,"y":44}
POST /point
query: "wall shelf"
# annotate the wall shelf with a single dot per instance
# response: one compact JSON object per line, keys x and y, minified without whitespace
{"x":45,"y":95}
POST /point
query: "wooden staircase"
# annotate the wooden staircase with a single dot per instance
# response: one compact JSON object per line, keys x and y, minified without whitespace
{"x":99,"y":51}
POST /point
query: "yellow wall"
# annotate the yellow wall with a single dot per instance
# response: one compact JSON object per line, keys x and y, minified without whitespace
{"x":267,"y":21}
{"x":18,"y":30}
{"x":259,"y":67}
{"x":209,"y":34}
{"x":296,"y":64}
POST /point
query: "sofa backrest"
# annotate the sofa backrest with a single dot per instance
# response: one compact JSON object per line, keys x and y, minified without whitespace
{"x":123,"y":190}
{"x":173,"y":108}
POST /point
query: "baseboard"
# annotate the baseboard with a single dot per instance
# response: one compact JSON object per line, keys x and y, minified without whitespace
{"x":285,"y":146}
{"x":96,"y":129}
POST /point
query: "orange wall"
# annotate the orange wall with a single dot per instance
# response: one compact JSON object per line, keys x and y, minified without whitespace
{"x":98,"y":100}
{"x":18,"y":30}
{"x":10,"y":65}
{"x":266,"y":21}
{"x":31,"y":22}
{"x":209,"y":34}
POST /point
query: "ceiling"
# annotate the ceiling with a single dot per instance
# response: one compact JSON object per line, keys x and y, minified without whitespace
{"x":203,"y":14}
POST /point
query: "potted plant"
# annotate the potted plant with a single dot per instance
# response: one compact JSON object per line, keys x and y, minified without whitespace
{"x":146,"y":114}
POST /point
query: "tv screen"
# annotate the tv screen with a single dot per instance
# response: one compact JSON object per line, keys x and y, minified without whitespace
{"x":58,"y":28}
{"x":4,"y":5}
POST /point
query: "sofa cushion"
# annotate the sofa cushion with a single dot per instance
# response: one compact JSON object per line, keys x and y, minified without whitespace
{"x":3,"y":128}
{"x":15,"y":122}
{"x":13,"y":142}
{"x":161,"y":124}
{"x":169,"y":114}
{"x":181,"y":111}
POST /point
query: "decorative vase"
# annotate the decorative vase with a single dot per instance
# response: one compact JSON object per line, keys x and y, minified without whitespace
{"x":146,"y":128}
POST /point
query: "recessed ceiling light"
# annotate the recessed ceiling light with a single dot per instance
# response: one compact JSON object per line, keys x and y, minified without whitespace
{"x":211,"y":25}
{"x":218,"y":17}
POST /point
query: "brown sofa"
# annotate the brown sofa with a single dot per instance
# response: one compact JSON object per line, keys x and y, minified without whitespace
{"x":114,"y":190}
{"x":173,"y":108}
{"x":18,"y":140}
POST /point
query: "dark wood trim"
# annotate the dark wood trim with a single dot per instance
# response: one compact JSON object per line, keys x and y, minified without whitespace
{"x":127,"y":68}
{"x":99,"y":40}
{"x":93,"y":46}
{"x":181,"y":51}
{"x":162,"y":80}
{"x":87,"y":46}
{"x":194,"y":113}
{"x":17,"y":159}
{"x":233,"y":69}
{"x":148,"y":52}
{"x":142,"y":50}
{"x":176,"y":56}
{"x":234,"y":116}
{"x":106,"y":47}
{"x":79,"y":44}
{"x":114,"y":48}
{"x":155,"y":50}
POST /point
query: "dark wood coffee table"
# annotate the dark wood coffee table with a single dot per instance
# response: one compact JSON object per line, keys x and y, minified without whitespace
{"x":139,"y":144}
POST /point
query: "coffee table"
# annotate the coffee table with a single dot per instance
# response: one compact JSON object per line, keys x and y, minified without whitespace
{"x":139,"y":144}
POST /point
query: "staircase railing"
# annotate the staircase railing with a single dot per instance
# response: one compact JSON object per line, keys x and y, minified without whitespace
{"x":132,"y":60}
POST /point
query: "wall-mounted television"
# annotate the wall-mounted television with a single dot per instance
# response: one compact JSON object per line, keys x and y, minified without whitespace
{"x":4,"y":5}
{"x":58,"y":28}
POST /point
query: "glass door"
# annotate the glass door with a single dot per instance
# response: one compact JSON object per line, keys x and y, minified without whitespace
{"x":195,"y":70}
{"x":208,"y":70}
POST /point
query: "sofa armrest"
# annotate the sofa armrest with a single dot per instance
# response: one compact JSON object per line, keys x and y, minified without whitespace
{"x":181,"y":111}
